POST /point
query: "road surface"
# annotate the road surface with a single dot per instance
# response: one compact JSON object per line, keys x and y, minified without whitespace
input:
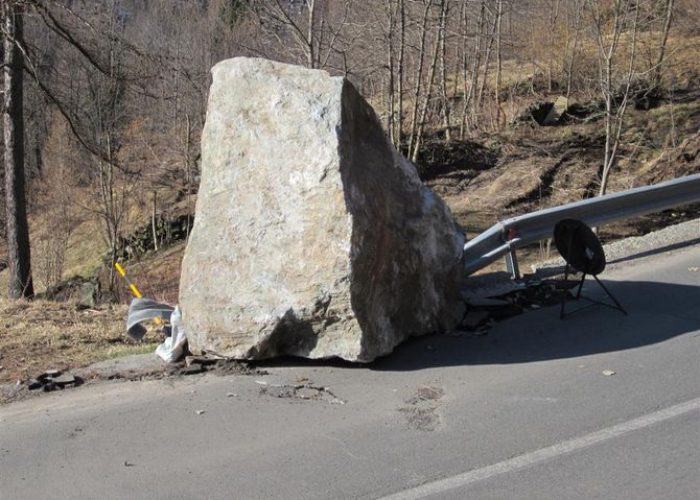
{"x":533,"y":410}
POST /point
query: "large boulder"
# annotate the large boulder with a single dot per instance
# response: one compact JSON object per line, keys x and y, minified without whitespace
{"x":313,"y":237}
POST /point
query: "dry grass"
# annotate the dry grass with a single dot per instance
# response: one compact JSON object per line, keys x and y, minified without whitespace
{"x":39,"y":335}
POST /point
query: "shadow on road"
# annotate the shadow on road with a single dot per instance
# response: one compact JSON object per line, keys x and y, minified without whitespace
{"x":657,"y":312}
{"x":656,"y":251}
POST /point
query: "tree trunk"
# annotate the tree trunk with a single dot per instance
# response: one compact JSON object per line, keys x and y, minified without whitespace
{"x":487,"y":60}
{"x":499,"y":62}
{"x":572,"y":59}
{"x":664,"y":40}
{"x":311,"y":61}
{"x":18,"y":252}
{"x":419,"y":78}
{"x":429,"y":95}
{"x":476,"y":61}
{"x":443,"y":72}
{"x":400,"y":76}
{"x":391,"y":117}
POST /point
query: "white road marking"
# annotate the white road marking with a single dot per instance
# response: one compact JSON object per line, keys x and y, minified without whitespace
{"x":538,"y":456}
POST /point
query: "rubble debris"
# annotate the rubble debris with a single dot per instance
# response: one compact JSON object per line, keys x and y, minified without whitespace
{"x":64,"y":380}
{"x":229,"y":366}
{"x":482,"y":313}
{"x":203,"y":360}
{"x":192,"y":370}
{"x":34,"y":384}
{"x":474,"y":319}
{"x":50,"y":380}
{"x":421,"y":410}
{"x":427,"y":393}
{"x":304,"y":392}
{"x":327,"y":243}
{"x":213,"y":364}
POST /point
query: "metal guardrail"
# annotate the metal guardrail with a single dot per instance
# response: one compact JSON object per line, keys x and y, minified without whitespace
{"x":504,"y":238}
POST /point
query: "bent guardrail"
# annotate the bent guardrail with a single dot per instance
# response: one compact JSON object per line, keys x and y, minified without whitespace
{"x":505,"y":237}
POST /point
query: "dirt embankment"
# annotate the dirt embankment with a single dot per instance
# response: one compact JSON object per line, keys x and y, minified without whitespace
{"x":528,"y":167}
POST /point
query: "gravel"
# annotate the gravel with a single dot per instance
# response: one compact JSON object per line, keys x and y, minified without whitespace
{"x":623,"y":251}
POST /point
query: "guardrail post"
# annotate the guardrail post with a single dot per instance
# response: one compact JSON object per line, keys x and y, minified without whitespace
{"x":512,"y":264}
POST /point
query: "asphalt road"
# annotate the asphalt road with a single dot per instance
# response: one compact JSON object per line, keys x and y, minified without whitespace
{"x":524,"y":412}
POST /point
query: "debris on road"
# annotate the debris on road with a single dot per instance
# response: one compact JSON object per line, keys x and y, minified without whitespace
{"x":474,"y":319}
{"x":143,"y":309}
{"x":608,"y":373}
{"x":482,"y":313}
{"x":304,"y":392}
{"x":421,"y":410}
{"x":204,"y":360}
{"x":51,"y":380}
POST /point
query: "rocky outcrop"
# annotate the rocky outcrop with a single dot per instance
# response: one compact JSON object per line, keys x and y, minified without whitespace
{"x":313,"y":237}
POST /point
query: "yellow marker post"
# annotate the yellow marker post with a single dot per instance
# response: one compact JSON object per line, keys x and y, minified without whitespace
{"x":134,"y":289}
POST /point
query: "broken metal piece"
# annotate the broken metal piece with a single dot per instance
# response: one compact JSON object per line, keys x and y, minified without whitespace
{"x":144,"y":309}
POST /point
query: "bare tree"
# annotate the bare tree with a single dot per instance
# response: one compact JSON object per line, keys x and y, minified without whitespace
{"x":625,"y":18}
{"x":305,"y":29}
{"x":427,"y":98}
{"x":445,"y":103}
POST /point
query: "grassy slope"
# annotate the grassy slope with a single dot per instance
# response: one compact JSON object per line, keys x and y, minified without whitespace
{"x":39,"y":335}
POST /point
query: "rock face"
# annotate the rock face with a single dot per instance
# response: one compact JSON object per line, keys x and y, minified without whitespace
{"x":312,"y":236}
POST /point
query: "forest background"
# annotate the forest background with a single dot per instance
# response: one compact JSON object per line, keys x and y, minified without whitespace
{"x":114,"y":96}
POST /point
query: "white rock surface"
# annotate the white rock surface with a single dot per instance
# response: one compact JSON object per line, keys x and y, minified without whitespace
{"x":312,"y":236}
